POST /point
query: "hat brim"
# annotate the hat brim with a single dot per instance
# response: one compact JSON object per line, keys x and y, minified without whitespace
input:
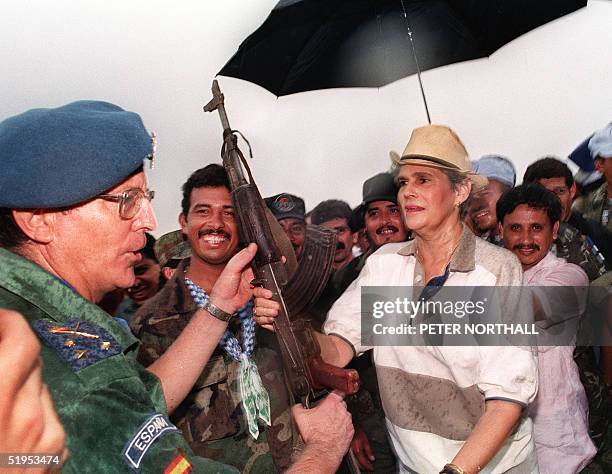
{"x":478,"y":182}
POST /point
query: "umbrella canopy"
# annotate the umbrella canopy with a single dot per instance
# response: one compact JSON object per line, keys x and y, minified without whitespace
{"x":319,"y":44}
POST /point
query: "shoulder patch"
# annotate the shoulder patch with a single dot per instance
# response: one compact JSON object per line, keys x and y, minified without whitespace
{"x":179,"y":465}
{"x":79,"y":343}
{"x":138,"y":445}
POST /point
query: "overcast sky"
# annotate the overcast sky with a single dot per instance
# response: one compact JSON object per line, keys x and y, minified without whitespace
{"x":541,"y":94}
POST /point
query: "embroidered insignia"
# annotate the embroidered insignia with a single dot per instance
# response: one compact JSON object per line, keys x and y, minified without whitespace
{"x":179,"y":465}
{"x":79,"y":343}
{"x":284,"y":203}
{"x":155,"y":426}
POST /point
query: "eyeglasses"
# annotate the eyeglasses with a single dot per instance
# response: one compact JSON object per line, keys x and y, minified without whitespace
{"x":130,"y":201}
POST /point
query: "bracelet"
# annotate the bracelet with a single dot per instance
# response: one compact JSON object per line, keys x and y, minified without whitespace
{"x":452,"y":469}
{"x":215,"y":311}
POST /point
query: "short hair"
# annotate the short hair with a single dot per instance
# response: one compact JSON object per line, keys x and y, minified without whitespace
{"x":533,"y":195}
{"x":456,"y":179}
{"x":11,"y":235}
{"x":211,"y":176}
{"x":148,"y":250}
{"x":546,"y":168}
{"x":331,"y":209}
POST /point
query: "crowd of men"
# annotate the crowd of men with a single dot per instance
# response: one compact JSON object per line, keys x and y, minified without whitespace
{"x":185,"y":376}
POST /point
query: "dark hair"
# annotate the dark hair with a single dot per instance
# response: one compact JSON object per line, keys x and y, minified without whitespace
{"x":546,"y":168}
{"x":331,"y":209}
{"x":148,"y":250}
{"x":11,"y":235}
{"x":211,"y":176}
{"x":357,"y":221}
{"x":533,"y":195}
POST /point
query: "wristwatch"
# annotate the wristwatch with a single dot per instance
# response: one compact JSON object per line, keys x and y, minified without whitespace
{"x":216,"y":311}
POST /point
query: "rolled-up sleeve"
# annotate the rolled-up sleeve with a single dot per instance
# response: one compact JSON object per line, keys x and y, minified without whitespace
{"x":508,"y":373}
{"x":344,"y":317}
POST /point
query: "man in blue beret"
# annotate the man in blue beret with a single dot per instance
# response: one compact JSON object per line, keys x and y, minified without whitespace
{"x":74,"y":209}
{"x":598,"y":205}
{"x":481,"y":216}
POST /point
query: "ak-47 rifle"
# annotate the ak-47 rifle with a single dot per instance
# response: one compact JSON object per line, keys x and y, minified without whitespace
{"x":306,"y":373}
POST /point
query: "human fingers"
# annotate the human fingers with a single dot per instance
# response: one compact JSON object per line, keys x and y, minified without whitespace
{"x":53,"y":440}
{"x":262,"y":293}
{"x":358,"y":446}
{"x":19,"y":350}
{"x":239,"y":261}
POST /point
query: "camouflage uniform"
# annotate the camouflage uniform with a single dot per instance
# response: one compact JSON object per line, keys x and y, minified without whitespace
{"x":106,"y":401}
{"x":211,"y":416}
{"x":598,"y":206}
{"x":576,"y":248}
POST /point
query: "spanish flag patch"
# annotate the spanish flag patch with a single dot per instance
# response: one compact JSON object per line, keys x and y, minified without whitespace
{"x":179,"y":465}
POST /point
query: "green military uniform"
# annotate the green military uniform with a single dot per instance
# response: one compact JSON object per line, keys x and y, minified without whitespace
{"x":598,"y":206}
{"x":211,"y":416}
{"x":112,"y":409}
{"x":575,"y":247}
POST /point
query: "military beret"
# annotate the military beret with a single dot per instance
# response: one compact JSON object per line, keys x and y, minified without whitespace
{"x":286,"y":205}
{"x":60,"y":157}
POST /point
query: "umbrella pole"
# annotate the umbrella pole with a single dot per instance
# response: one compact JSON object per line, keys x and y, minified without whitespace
{"x":416,"y":62}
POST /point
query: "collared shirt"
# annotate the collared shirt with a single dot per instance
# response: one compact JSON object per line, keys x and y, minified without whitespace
{"x":112,"y":409}
{"x":560,"y":410}
{"x":434,"y":396}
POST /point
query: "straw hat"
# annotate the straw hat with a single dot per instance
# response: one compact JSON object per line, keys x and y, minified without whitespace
{"x":438,"y":146}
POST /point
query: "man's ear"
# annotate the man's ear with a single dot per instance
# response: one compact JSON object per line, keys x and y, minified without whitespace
{"x":599,"y":165}
{"x":168,"y":272}
{"x":37,"y":224}
{"x":182,"y":221}
{"x":556,"y":230}
{"x":500,"y":229}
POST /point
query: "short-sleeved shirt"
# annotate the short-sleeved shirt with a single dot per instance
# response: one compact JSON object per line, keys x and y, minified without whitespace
{"x":112,"y":409}
{"x":434,"y":396}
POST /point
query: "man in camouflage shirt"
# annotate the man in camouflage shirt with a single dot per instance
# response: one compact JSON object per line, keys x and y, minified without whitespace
{"x":212,"y":417}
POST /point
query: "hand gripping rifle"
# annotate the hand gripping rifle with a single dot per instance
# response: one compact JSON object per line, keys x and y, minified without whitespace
{"x":306,"y":373}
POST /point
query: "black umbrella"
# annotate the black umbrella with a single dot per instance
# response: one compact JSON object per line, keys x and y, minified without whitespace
{"x":320,"y":44}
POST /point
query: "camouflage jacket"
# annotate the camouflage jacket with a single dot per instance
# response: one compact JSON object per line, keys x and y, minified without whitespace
{"x":112,"y":409}
{"x":578,"y":249}
{"x":211,"y":416}
{"x":595,"y":206}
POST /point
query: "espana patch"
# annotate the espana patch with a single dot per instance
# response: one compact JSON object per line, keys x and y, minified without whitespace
{"x":154,"y":427}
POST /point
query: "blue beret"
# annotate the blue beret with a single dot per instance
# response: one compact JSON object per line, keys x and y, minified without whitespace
{"x":60,"y":157}
{"x":496,"y":167}
{"x":600,"y":144}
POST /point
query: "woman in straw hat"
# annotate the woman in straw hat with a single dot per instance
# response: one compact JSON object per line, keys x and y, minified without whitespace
{"x":449,"y":409}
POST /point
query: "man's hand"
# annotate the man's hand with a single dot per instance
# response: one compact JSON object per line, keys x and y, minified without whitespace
{"x":28,"y":421}
{"x":362,"y":450}
{"x":326,"y":428}
{"x":233,"y":287}
{"x":265,"y":309}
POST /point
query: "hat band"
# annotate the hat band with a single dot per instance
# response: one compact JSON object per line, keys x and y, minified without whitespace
{"x":433,"y":159}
